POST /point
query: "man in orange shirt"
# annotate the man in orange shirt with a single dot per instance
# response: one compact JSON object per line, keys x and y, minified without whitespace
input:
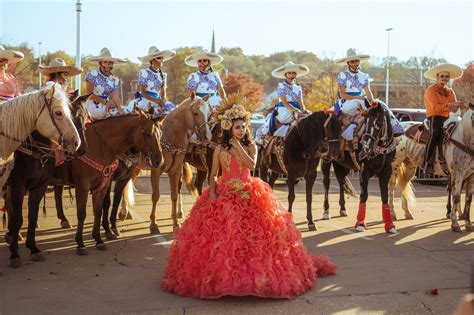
{"x":438,"y":99}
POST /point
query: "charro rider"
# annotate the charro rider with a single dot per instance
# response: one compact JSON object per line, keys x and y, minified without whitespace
{"x":152,"y":82}
{"x":205,"y":81}
{"x":8,"y":86}
{"x":103,"y":85}
{"x":438,"y":100}
{"x":58,"y":72}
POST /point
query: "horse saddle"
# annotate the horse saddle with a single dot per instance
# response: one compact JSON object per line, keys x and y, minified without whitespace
{"x":418,"y":133}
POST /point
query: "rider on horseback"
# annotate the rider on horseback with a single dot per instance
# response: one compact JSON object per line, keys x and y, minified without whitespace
{"x":152,"y":83}
{"x":8,"y":86}
{"x":205,"y":81}
{"x":354,"y":88}
{"x":58,"y":72}
{"x":103,"y":85}
{"x":438,"y":100}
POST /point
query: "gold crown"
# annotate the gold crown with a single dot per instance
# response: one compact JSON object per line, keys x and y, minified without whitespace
{"x":235,"y":106}
{"x":236,"y":112}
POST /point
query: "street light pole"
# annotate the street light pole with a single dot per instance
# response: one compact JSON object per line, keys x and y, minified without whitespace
{"x":39,"y":63}
{"x":387,"y":80}
{"x":78,"y":44}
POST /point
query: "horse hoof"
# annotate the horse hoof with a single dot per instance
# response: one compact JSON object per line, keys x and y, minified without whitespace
{"x":394,"y":217}
{"x":343,"y":213}
{"x":325,"y":216}
{"x":16,"y":263}
{"x":82,"y":251}
{"x":129,"y":216}
{"x":101,"y":246}
{"x":448,"y":216}
{"x":8,"y":239}
{"x":461,"y":217}
{"x":122,"y":216}
{"x":110,"y":236}
{"x":312,"y":227}
{"x":154,"y":230}
{"x":456,"y":229}
{"x":180,"y":215}
{"x":38,"y":257}
{"x":393,"y":230}
{"x":115,"y":231}
{"x":409,"y":216}
{"x":65,"y":224}
{"x":360,"y":228}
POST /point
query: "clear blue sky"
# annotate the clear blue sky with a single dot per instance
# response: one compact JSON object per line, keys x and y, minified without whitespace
{"x":327,"y":28}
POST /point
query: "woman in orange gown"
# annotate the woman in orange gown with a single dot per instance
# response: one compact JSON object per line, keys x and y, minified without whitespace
{"x":239,"y":240}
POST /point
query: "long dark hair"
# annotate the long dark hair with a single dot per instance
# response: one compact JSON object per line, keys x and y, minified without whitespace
{"x":227,"y":135}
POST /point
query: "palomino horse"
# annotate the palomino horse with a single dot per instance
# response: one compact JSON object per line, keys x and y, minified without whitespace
{"x":34,"y":165}
{"x":191,"y":115}
{"x":459,"y":153}
{"x":92,"y":172}
{"x":375,"y":156}
{"x":45,"y":110}
{"x":314,"y":136}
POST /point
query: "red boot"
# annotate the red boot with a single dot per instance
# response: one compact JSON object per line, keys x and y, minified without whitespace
{"x":360,"y":224}
{"x":387,"y":219}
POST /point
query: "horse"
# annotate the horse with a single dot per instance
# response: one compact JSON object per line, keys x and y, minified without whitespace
{"x":191,"y":115}
{"x":34,"y":165}
{"x":93,"y":170}
{"x":314,"y":136}
{"x":46,"y":110}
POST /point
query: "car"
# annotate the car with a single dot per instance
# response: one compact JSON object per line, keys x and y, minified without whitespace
{"x":256,"y":121}
{"x":409,"y":114}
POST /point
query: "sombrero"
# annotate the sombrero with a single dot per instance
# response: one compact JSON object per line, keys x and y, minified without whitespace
{"x":454,"y":71}
{"x":192,"y":60}
{"x":105,"y":55}
{"x":12,"y":56}
{"x":154,"y":52}
{"x":352,"y":55}
{"x":300,"y":70}
{"x":59,"y":65}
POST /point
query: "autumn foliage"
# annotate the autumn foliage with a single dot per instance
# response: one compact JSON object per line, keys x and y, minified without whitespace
{"x":243,"y":84}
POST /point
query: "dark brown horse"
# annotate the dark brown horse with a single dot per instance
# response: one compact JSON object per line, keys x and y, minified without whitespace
{"x":105,"y":140}
{"x":314,"y":136}
{"x":34,"y":165}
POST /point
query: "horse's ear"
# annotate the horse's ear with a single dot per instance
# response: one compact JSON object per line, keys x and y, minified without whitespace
{"x":471,"y":106}
{"x":72,"y":96}
{"x":81,"y":99}
{"x":192,"y":96}
{"x":205,"y":98}
{"x":151,"y":111}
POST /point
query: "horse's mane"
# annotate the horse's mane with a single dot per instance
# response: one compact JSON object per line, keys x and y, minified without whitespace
{"x":311,"y":131}
{"x":468,"y":129}
{"x":17,"y":119}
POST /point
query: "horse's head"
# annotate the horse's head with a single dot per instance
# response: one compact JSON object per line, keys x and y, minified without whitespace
{"x":80,"y":117}
{"x":201,"y":111}
{"x":378,"y":130}
{"x":55,"y":121}
{"x":146,"y":139}
{"x":332,"y":131}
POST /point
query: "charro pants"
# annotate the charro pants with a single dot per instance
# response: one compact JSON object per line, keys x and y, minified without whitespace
{"x":436,"y":131}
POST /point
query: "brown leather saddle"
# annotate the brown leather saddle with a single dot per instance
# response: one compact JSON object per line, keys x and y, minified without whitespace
{"x":418,"y":133}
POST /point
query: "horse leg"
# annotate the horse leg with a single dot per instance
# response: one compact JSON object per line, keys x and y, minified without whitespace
{"x":179,"y":201}
{"x":456,"y":191}
{"x":309,"y":179}
{"x":291,"y":191}
{"x":364,"y":178}
{"x":407,"y":188}
{"x":199,"y":181}
{"x":273,"y":177}
{"x":34,"y":198}
{"x":58,"y":198}
{"x":448,"y":204}
{"x":118,"y":191}
{"x":326,"y":170}
{"x":105,"y":216}
{"x":467,"y":209}
{"x":16,"y":221}
{"x":384,"y":178}
{"x":341,"y":175}
{"x":392,"y":185}
{"x":82,"y":191}
{"x":155,"y":197}
{"x":174,"y":177}
{"x":97,"y":204}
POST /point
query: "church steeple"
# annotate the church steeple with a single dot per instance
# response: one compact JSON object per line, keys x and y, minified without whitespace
{"x":213,"y":44}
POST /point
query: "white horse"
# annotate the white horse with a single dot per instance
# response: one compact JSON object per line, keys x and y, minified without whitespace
{"x":459,"y":153}
{"x":47,"y":111}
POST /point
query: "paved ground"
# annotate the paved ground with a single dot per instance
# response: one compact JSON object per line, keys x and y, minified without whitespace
{"x":377,"y":273}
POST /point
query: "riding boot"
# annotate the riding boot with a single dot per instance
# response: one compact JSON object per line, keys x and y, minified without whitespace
{"x":387,"y":218}
{"x":361,"y":216}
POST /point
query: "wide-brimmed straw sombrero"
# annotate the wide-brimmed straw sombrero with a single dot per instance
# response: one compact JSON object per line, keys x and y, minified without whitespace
{"x":213,"y":57}
{"x":105,"y":55}
{"x":300,"y":70}
{"x":12,"y":56}
{"x":58,"y":65}
{"x":154,"y":52}
{"x":352,"y":55}
{"x":454,"y":71}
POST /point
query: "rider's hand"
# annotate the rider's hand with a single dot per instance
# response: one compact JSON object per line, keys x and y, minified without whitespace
{"x":110,"y":104}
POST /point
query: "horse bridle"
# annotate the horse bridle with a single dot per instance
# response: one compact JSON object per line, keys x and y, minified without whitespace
{"x":377,"y":149}
{"x":148,"y":146}
{"x":47,"y":104}
{"x":326,"y":140}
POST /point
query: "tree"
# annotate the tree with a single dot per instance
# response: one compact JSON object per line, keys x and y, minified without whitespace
{"x":323,"y":93}
{"x":178,"y":73}
{"x":244,"y":84}
{"x":464,"y":86}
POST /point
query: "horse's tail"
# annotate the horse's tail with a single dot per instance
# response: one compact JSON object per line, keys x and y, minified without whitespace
{"x":188,"y":180}
{"x":348,"y":188}
{"x":128,"y":195}
{"x":406,"y":186}
{"x":468,"y":129}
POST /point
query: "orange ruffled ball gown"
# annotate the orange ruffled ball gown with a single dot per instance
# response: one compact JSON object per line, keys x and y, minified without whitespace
{"x":243,"y":243}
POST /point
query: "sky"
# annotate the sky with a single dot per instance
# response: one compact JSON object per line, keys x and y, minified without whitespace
{"x":327,"y":28}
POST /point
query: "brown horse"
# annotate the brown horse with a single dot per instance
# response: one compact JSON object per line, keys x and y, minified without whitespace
{"x":105,"y":139}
